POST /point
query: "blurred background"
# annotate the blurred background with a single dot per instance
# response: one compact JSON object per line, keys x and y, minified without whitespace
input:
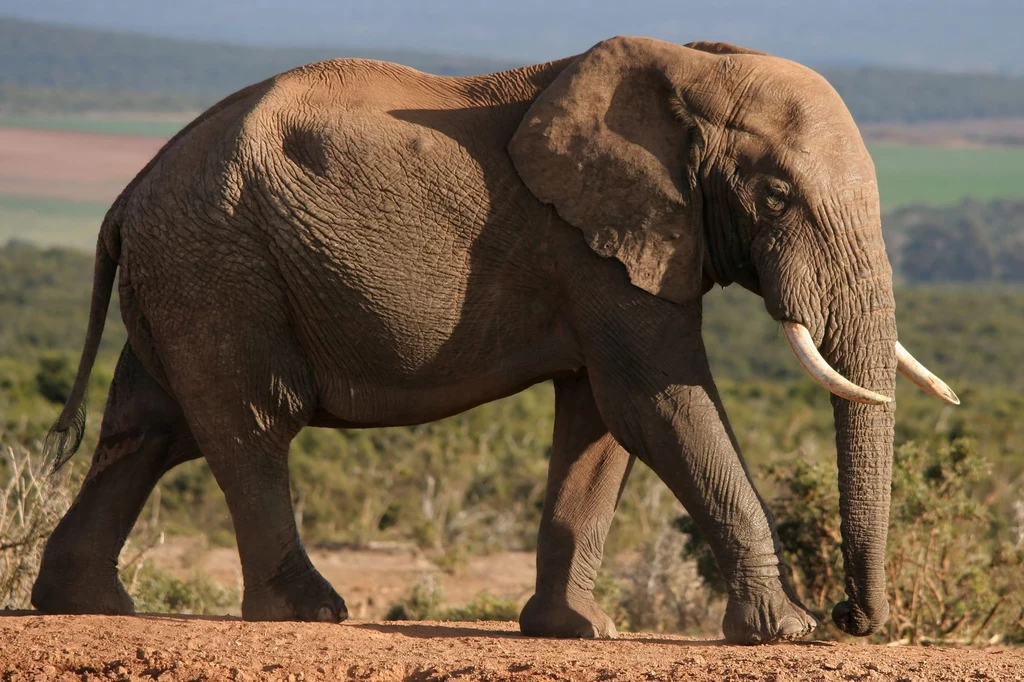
{"x":440,"y":520}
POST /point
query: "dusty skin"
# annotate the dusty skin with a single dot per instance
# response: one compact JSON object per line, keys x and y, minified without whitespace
{"x":171,"y":648}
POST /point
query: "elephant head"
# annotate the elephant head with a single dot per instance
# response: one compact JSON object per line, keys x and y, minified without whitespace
{"x":702,"y":164}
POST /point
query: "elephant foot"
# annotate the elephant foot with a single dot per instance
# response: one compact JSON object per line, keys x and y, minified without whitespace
{"x":64,"y":586}
{"x":296,"y":592}
{"x":764,"y":614}
{"x":579,"y":618}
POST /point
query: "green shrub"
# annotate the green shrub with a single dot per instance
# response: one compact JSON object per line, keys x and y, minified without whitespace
{"x":660,"y":593}
{"x":426,"y":602}
{"x":156,"y":591}
{"x":954,"y":570}
{"x":485,"y":606}
{"x":55,"y":378}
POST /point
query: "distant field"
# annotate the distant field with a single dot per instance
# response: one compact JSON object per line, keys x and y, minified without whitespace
{"x":60,"y":173}
{"x":52,"y":222}
{"x":160,"y":126}
{"x":940,"y":176}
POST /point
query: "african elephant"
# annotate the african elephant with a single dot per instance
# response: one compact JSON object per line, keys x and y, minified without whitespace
{"x":357,"y":244}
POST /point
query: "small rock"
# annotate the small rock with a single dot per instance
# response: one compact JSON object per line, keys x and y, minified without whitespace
{"x":838,"y":665}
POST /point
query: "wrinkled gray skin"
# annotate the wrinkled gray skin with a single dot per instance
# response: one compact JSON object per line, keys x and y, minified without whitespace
{"x":356,"y":244}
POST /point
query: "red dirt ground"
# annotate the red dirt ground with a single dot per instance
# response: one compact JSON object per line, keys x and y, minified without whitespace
{"x":370,"y":580}
{"x":169,"y":648}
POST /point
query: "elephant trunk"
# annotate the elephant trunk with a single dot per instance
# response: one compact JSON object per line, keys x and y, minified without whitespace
{"x":860,"y":344}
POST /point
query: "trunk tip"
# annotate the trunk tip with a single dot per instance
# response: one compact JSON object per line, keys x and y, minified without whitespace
{"x":854,"y":620}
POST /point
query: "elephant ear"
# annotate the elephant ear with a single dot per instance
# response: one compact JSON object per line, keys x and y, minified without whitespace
{"x":612,"y":146}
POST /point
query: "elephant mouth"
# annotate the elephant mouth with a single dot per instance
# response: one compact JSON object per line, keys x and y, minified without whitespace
{"x":810,"y":358}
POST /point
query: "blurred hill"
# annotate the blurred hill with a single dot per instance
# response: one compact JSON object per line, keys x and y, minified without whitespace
{"x":45,"y":66}
{"x":50,"y":55}
{"x":980,"y":35}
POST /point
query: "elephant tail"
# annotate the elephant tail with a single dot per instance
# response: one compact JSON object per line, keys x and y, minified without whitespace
{"x":65,"y":436}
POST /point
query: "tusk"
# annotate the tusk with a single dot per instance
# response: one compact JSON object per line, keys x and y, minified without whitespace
{"x":919,"y":375}
{"x":807,"y":353}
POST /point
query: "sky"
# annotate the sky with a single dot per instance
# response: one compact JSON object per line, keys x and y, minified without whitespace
{"x":960,"y":35}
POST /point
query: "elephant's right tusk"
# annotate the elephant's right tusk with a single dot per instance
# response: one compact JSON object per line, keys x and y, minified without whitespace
{"x":919,"y":375}
{"x":807,"y":353}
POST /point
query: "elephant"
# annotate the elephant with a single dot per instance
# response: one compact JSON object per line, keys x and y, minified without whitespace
{"x":356,"y":244}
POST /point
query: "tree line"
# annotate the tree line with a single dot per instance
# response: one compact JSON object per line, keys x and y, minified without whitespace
{"x":974,"y":242}
{"x":58,"y":68}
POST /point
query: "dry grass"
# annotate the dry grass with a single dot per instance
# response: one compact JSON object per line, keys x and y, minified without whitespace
{"x":31,"y":503}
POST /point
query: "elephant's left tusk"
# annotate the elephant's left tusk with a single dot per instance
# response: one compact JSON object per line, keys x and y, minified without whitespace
{"x":807,"y":353}
{"x":919,"y":375}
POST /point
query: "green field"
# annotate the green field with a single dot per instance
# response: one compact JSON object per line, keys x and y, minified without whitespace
{"x":158,"y":127}
{"x":50,"y":222}
{"x":939,"y":176}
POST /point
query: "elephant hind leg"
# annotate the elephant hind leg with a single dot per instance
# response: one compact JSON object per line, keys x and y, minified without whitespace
{"x":245,"y":400}
{"x":143,"y":436}
{"x":587,"y":472}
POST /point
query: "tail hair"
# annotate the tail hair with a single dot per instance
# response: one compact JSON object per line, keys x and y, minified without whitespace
{"x":62,"y":443}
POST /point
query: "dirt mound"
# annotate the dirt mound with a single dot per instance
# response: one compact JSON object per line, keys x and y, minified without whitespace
{"x":170,"y":648}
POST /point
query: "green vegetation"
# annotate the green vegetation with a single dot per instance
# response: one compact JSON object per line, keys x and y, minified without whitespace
{"x":426,"y":602}
{"x":940,"y":177}
{"x":954,"y":574}
{"x":973,"y":242}
{"x":884,"y":94}
{"x":80,"y":60}
{"x":156,"y":591}
{"x":58,"y":68}
{"x":21,"y":99}
{"x":50,"y":222}
{"x":164,"y":126}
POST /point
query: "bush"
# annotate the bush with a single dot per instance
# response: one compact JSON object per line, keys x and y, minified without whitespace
{"x":156,"y":591}
{"x":31,"y":504}
{"x":659,"y":593}
{"x":425,"y":602}
{"x":955,"y":573}
{"x":55,"y":378}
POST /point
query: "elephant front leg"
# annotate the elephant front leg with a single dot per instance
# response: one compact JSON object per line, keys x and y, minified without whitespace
{"x":659,"y":400}
{"x":586,"y":474}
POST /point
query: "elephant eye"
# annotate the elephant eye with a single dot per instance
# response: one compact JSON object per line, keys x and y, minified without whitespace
{"x":776,"y":196}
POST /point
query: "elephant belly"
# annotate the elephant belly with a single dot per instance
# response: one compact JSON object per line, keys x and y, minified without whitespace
{"x":390,"y":372}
